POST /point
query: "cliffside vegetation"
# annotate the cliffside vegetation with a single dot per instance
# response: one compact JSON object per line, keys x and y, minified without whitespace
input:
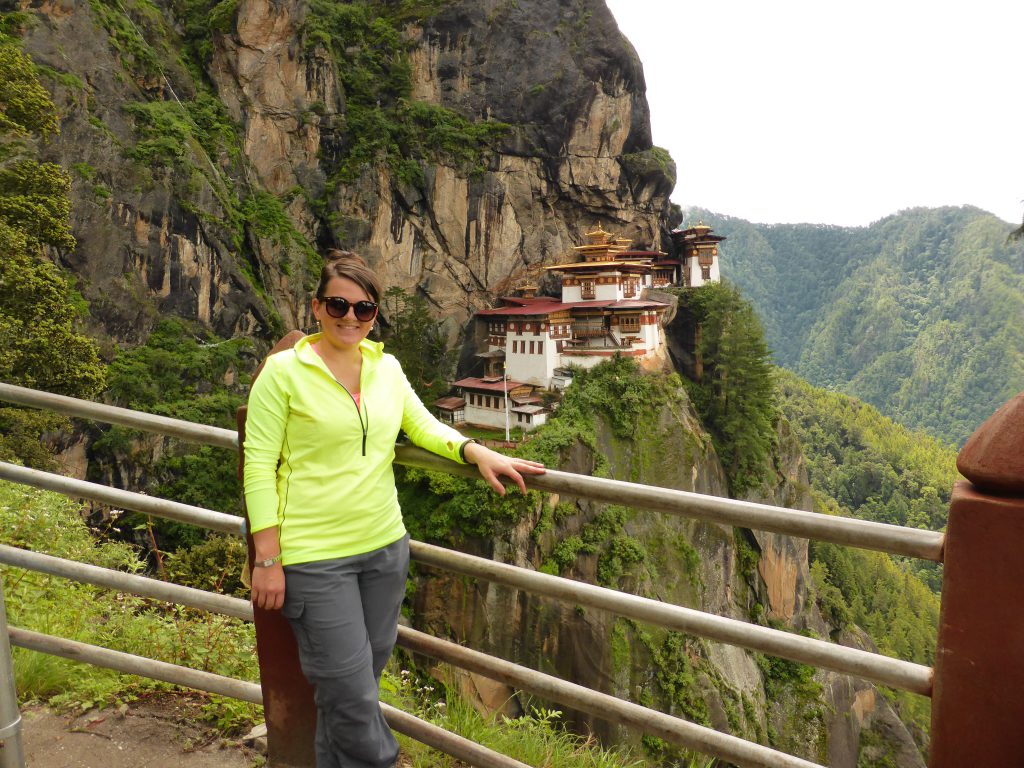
{"x":735,"y":396}
{"x":41,"y":345}
{"x":920,"y":314}
{"x":382,"y":122}
{"x":184,"y":372}
{"x":411,"y":334}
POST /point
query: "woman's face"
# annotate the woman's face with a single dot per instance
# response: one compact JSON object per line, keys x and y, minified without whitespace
{"x":342,"y":332}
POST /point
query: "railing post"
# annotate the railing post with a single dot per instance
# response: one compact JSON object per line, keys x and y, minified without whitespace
{"x":977,"y":701}
{"x":12,"y":754}
{"x":287,"y":697}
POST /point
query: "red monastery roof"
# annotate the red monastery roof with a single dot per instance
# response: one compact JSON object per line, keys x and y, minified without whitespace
{"x":599,"y":266}
{"x":538,"y":307}
{"x":488,"y":385}
{"x":550,"y":306}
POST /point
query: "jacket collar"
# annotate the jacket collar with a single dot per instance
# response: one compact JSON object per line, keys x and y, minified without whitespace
{"x":373,"y":351}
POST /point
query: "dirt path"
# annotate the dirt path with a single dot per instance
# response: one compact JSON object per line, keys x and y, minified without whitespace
{"x":159,"y":732}
{"x":162,"y":731}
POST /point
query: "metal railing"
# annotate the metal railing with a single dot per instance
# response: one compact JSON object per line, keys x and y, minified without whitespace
{"x":893,"y":539}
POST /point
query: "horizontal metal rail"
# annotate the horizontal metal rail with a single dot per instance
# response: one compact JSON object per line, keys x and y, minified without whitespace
{"x":445,"y":741}
{"x":138,"y":502}
{"x":86,"y":409}
{"x":740,"y":752}
{"x":894,"y":539}
{"x":427,"y":733}
{"x":820,"y":653}
{"x":673,"y":729}
{"x":847,"y":531}
{"x":870,"y":666}
{"x":136,"y":665}
{"x":126,"y":582}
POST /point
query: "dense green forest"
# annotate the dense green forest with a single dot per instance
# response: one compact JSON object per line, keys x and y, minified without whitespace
{"x":862,"y":464}
{"x":920,"y":314}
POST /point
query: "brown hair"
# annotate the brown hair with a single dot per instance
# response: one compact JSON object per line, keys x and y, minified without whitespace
{"x":351,"y":266}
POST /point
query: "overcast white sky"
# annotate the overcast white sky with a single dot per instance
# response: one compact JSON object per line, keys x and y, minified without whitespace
{"x":835,"y":112}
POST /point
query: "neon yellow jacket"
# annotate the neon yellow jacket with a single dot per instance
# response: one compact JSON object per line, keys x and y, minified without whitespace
{"x":321,"y":469}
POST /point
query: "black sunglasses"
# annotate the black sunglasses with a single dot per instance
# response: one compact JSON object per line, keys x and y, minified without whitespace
{"x":338,"y":307}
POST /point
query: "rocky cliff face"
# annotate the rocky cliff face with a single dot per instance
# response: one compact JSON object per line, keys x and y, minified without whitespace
{"x":751,"y":576}
{"x":212,"y":212}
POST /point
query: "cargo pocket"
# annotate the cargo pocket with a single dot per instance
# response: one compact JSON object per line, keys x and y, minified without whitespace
{"x":293,"y":610}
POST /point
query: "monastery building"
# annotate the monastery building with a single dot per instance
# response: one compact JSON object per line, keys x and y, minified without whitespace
{"x":531,"y":341}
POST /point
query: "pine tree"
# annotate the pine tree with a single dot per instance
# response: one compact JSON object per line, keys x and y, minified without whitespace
{"x":736,"y":396}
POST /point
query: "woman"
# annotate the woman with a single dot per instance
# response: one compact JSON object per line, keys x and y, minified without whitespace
{"x":331,"y":550}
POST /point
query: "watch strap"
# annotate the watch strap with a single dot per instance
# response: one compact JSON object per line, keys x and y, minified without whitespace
{"x":462,"y":448}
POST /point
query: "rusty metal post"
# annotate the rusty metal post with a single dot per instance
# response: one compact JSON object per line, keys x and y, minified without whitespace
{"x":977,"y":700}
{"x":288,"y":704}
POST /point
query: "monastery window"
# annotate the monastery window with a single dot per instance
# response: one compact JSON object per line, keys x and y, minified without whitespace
{"x":629,"y":323}
{"x":559,"y":345}
{"x":540,"y":347}
{"x":531,"y":347}
{"x":705,"y":272}
{"x":587,"y":289}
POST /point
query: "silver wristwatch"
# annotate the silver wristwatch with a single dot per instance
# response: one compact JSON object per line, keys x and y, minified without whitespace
{"x":266,"y":563}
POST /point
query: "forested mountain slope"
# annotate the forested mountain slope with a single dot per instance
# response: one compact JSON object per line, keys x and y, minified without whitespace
{"x":920,"y":314}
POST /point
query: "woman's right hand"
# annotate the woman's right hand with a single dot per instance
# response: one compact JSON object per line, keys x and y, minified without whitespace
{"x":268,"y":587}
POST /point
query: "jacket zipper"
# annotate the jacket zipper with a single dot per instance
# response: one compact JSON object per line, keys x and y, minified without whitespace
{"x":365,"y":426}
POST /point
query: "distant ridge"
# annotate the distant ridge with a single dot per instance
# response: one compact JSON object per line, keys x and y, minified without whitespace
{"x":920,"y":314}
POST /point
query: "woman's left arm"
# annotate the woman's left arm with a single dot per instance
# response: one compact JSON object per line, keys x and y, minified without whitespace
{"x":425,"y":430}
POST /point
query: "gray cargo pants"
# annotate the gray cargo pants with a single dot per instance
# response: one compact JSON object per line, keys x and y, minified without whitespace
{"x":344,"y":614}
